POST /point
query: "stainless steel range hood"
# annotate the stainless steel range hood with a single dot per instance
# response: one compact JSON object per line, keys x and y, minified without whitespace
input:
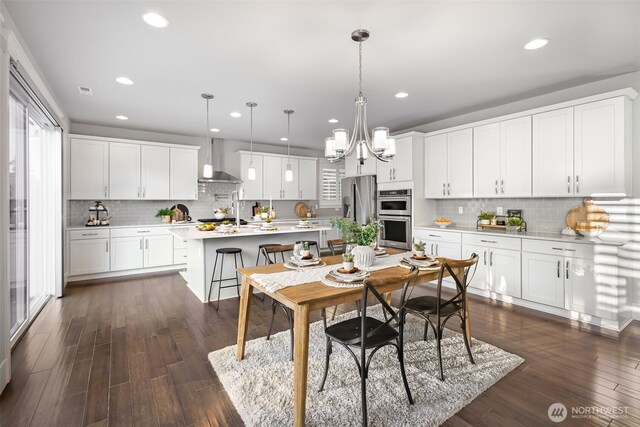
{"x":218,"y":174}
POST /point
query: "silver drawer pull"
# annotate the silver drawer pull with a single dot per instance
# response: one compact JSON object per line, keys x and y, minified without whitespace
{"x":89,"y":234}
{"x":488,"y":241}
{"x":562,"y":249}
{"x":434,"y":235}
{"x":144,"y":231}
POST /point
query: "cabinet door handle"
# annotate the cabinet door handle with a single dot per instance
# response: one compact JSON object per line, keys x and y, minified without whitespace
{"x":569,"y":184}
{"x":144,"y":192}
{"x":141,"y":243}
{"x":394,"y":174}
{"x":496,"y":186}
{"x":444,"y":187}
{"x":437,"y":249}
{"x":485,"y":257}
{"x":502,"y":185}
{"x":138,"y":192}
{"x":577,"y":183}
{"x":431,"y":249}
{"x":448,"y":189}
{"x":567,"y":270}
{"x":105,"y":191}
{"x":107,"y":246}
{"x":558,"y":269}
{"x":146,"y":243}
{"x":490,"y":259}
{"x":390,"y":175}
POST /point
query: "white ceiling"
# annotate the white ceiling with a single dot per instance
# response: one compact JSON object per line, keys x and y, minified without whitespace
{"x":449,"y":57}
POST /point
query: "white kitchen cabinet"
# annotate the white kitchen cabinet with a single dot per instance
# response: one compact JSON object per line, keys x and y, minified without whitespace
{"x":505,"y":272}
{"x":308,"y":179}
{"x":127,"y":253}
{"x":272,"y":176}
{"x":599,"y":147}
{"x":480,"y":279}
{"x":124,"y":171}
{"x":553,"y":153}
{"x":354,"y":168}
{"x":449,"y":165}
{"x":290,"y":189}
{"x":89,"y":169}
{"x":583,"y":292}
{"x":502,"y":159}
{"x":158,"y":250}
{"x":251,"y":189}
{"x":155,"y":172}
{"x":88,"y":256}
{"x":542,"y":279}
{"x":400,"y":167}
{"x":183,"y":177}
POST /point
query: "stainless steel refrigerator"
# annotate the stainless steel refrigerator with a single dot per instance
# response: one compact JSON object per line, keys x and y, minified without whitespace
{"x":359,"y":198}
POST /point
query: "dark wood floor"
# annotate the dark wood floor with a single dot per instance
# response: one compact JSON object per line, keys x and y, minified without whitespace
{"x":134,"y":352}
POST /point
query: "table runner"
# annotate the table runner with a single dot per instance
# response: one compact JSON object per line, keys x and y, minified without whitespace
{"x":275,"y":281}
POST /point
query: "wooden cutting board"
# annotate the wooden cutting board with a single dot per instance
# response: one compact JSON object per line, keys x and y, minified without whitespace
{"x":301,"y":209}
{"x":589,"y":212}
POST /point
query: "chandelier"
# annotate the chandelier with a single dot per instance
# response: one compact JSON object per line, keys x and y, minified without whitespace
{"x":340,"y":145}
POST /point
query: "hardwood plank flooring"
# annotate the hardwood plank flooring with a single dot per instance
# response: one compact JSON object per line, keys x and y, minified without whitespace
{"x":134,"y":353}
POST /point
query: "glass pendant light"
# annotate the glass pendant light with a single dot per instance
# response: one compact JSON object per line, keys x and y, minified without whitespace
{"x":207,"y":172}
{"x":288,"y":174}
{"x":251,"y":172}
{"x":330,"y":148}
{"x":380,"y":139}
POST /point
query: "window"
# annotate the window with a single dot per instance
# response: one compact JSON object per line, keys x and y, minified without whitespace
{"x":331,"y":190}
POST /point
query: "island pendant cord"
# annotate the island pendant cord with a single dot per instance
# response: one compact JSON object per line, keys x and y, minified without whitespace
{"x":288,"y":174}
{"x":207,"y":171}
{"x":251,"y":172}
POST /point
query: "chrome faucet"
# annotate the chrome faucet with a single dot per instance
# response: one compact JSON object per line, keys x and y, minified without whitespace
{"x":235,"y":206}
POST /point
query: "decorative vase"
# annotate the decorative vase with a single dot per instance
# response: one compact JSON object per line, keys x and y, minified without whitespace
{"x":219,"y":215}
{"x":166,"y":218}
{"x":485,"y":222}
{"x":264,"y":215}
{"x":419,"y":254}
{"x":305,"y":252}
{"x":513,"y":228}
{"x":347,"y":266}
{"x":364,"y":256}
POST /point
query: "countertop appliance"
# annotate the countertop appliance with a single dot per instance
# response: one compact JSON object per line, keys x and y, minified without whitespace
{"x":359,"y":198}
{"x":218,"y":221}
{"x":394,"y":209}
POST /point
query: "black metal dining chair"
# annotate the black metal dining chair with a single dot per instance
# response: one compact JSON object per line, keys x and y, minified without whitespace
{"x":364,"y":332}
{"x":437,"y":310}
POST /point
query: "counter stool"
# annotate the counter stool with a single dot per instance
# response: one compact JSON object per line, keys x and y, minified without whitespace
{"x":225,"y":251}
{"x":311,"y":243}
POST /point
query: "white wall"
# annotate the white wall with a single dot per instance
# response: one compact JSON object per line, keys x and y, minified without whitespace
{"x":225,"y":150}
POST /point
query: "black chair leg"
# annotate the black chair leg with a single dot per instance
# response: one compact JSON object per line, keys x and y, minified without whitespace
{"x":326,"y":363}
{"x":426,"y":330}
{"x":215,"y":263}
{"x":273,"y":315}
{"x":438,"y":340}
{"x":466,"y":342}
{"x":220,"y":281}
{"x":402,"y":371}
{"x":363,"y":388}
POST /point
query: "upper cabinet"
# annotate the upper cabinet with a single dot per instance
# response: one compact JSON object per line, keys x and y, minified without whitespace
{"x":183,"y":175}
{"x":353,"y":167}
{"x":89,"y":169}
{"x":400,"y":167}
{"x":251,"y":189}
{"x":502,"y":159}
{"x":553,"y":153}
{"x":449,"y":165}
{"x":308,"y":179}
{"x":602,"y":145}
{"x":103,"y":169}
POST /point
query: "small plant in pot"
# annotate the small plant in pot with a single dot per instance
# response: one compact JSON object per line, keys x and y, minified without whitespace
{"x":165,"y":214}
{"x":347,"y":262}
{"x":305,"y":249}
{"x":418,"y":248}
{"x":264,"y":212}
{"x":362,"y":236}
{"x":486,"y":217}
{"x":514,"y":223}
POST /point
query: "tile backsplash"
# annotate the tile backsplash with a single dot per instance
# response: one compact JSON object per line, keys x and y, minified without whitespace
{"x":134,"y":211}
{"x":541,"y":214}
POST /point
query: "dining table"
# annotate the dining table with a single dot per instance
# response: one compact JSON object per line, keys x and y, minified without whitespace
{"x":308,"y":297}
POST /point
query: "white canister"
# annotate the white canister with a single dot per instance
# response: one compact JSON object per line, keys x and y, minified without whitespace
{"x":364,"y":256}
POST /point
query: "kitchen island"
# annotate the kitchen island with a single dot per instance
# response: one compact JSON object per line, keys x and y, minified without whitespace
{"x":202,"y":245}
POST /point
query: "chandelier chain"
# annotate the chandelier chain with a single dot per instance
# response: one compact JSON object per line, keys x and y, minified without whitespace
{"x":208,"y":139}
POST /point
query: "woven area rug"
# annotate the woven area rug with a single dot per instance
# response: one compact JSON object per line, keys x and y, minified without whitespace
{"x":261,"y":386}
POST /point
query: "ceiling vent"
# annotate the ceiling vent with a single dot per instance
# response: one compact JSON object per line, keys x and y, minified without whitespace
{"x":83,"y":90}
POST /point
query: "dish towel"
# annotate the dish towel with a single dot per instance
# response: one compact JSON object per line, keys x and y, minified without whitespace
{"x":275,"y":281}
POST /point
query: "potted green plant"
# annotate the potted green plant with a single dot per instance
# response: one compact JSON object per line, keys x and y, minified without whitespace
{"x":486,"y":217}
{"x":514,"y":223}
{"x":305,"y":249}
{"x":165,"y":214}
{"x":264,"y":212}
{"x":418,"y":248}
{"x":362,"y":236}
{"x":347,"y":262}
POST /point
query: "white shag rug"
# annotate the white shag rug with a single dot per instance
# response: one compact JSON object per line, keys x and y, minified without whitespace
{"x":261,"y":386}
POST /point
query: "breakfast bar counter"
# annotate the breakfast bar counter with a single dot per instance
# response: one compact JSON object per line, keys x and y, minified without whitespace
{"x":202,"y":245}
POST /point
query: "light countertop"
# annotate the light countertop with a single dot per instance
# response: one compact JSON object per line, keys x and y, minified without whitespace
{"x":193,"y":233}
{"x":606,"y":238}
{"x":132,"y":224}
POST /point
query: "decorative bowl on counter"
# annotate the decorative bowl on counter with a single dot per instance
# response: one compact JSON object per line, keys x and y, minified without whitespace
{"x":442,"y":222}
{"x":219,"y":215}
{"x":588,"y":229}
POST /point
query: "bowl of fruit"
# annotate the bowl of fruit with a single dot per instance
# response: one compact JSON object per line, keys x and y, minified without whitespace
{"x":206,"y":227}
{"x":442,"y":222}
{"x":226,"y":225}
{"x":589,"y":229}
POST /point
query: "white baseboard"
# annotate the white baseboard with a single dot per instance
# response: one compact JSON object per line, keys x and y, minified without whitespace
{"x":5,"y":374}
{"x":111,"y":274}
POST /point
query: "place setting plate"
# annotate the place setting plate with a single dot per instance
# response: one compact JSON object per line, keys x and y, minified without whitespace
{"x":422,"y":263}
{"x":357,"y":276}
{"x":293,"y":263}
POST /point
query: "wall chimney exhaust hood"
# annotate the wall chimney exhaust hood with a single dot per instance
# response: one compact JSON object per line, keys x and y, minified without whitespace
{"x":218,"y":174}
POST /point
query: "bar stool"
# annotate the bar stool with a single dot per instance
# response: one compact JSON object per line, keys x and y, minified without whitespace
{"x":225,"y":251}
{"x":311,"y":243}
{"x":264,"y":254}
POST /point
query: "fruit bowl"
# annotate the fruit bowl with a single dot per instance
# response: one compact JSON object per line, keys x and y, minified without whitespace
{"x":589,"y":230}
{"x":442,"y":222}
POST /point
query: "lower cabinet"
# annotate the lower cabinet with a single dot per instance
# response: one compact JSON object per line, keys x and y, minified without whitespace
{"x":88,"y":256}
{"x":585,"y":293}
{"x":498,"y":270}
{"x":158,"y":250}
{"x":127,"y":253}
{"x":481,"y":279}
{"x":543,"y":279}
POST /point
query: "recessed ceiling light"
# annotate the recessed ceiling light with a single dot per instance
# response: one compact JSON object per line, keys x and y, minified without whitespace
{"x":333,"y":120}
{"x":124,"y":81}
{"x":284,"y":139}
{"x":536,"y":44}
{"x":122,"y":117}
{"x":401,"y":95}
{"x":235,"y":114}
{"x":214,"y":130}
{"x":155,"y":20}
